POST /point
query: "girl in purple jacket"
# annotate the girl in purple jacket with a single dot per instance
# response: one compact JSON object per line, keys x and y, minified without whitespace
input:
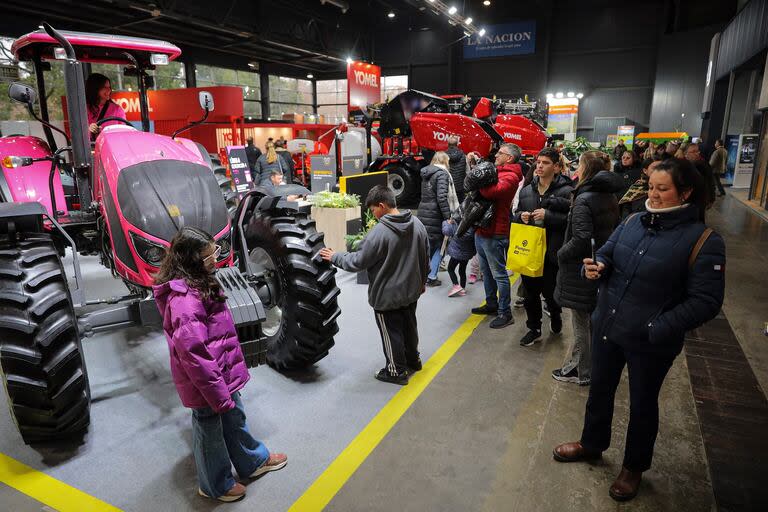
{"x":208,"y":368}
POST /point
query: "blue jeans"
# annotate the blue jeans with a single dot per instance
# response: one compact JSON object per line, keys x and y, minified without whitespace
{"x":492,"y":255}
{"x":434,"y":262}
{"x":221,"y":441}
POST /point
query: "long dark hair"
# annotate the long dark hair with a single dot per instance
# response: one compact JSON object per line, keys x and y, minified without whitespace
{"x":686,"y":178}
{"x":92,"y":87}
{"x":591,"y":163}
{"x":184,"y":260}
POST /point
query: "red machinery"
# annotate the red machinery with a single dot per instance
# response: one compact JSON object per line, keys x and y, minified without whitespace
{"x":414,"y":125}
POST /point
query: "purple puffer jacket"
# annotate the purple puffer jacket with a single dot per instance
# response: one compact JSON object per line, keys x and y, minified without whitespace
{"x":207,"y":364}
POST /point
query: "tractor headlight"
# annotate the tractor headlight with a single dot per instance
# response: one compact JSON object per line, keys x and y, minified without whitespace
{"x":151,"y":252}
{"x":226,"y":246}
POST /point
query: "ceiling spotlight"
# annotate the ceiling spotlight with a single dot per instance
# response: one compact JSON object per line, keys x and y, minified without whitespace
{"x":391,"y":14}
{"x":349,"y":60}
{"x":570,"y":94}
{"x":550,"y":95}
{"x":310,"y":75}
{"x":482,"y":32}
{"x":468,"y":21}
{"x":452,"y":10}
{"x":580,"y":95}
{"x":485,"y":2}
{"x":559,"y":95}
{"x":467,"y":34}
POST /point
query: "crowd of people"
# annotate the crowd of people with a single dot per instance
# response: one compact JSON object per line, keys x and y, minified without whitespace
{"x":628,"y":255}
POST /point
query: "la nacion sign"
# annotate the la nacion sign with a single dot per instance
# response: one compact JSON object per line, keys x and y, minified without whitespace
{"x":363,"y":85}
{"x":518,"y":38}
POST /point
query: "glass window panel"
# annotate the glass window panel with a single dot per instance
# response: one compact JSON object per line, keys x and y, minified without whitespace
{"x":326,"y":86}
{"x":305,"y":86}
{"x":326,"y":98}
{"x":252,"y":108}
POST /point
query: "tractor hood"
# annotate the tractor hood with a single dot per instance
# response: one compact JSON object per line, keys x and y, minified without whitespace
{"x":160,"y":197}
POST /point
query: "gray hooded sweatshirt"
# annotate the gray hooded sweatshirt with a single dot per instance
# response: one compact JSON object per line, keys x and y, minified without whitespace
{"x":395,"y":253}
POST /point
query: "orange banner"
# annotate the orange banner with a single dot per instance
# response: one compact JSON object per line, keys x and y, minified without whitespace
{"x":563,"y":109}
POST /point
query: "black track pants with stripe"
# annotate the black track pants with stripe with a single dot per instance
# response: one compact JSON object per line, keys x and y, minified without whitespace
{"x":399,"y":338}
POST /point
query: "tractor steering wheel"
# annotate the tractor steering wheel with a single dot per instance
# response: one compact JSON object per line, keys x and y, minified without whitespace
{"x":108,"y":119}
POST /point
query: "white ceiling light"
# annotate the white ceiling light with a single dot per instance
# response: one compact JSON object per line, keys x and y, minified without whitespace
{"x":310,"y":75}
{"x":482,"y":32}
{"x":550,"y":95}
{"x":559,"y":95}
{"x":580,"y":95}
{"x":467,"y":34}
{"x":391,"y":14}
{"x":485,"y":2}
{"x":452,"y":10}
{"x":349,"y":60}
{"x":570,"y":94}
{"x":468,"y":21}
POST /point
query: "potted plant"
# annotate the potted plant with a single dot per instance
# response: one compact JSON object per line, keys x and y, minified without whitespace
{"x":332,"y":213}
{"x":354,"y":241}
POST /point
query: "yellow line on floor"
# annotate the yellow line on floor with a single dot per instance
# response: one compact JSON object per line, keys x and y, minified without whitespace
{"x":322,"y":491}
{"x":47,"y":490}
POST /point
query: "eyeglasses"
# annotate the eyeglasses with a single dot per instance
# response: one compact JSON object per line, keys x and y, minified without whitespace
{"x":503,"y":153}
{"x":215,"y":254}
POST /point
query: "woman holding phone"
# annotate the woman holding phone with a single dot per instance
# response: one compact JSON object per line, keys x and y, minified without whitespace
{"x":593,"y":216}
{"x":661,"y":274}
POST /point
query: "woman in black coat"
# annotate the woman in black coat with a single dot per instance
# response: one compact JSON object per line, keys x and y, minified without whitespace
{"x":661,"y":273}
{"x":629,"y":169}
{"x":593,"y":216}
{"x":434,"y":208}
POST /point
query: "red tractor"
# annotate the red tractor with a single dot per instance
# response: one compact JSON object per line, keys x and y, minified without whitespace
{"x":414,"y":125}
{"x":133,"y":191}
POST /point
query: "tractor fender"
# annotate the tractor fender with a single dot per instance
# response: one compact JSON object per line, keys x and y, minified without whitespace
{"x":30,"y":183}
{"x":21,"y":217}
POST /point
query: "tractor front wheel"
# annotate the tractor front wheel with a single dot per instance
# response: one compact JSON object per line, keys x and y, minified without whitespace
{"x":303,"y":309}
{"x":406,"y":187}
{"x":43,"y":370}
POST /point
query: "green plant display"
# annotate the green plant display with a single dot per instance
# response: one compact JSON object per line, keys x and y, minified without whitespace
{"x":327,"y":199}
{"x":353,"y":241}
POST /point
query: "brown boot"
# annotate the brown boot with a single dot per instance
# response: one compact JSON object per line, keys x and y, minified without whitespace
{"x":573,"y":452}
{"x":626,"y":485}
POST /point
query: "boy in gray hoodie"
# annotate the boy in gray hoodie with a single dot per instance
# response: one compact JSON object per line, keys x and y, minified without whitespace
{"x":395,"y":254}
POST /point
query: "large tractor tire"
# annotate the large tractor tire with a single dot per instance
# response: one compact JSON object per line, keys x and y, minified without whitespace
{"x":43,"y":369}
{"x":302,"y":314}
{"x":405,"y":185}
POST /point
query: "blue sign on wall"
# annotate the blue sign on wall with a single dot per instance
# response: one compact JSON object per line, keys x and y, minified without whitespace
{"x":517,"y":38}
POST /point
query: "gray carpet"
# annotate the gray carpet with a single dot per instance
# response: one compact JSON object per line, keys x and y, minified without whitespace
{"x":137,"y":454}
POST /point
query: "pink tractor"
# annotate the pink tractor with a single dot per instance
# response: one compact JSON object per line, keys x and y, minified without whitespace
{"x":133,"y":190}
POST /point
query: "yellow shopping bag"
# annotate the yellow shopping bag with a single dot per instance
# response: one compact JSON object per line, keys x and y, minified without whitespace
{"x":527,"y":249}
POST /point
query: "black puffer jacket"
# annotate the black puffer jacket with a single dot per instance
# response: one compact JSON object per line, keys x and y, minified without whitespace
{"x":433,"y":208}
{"x":594,"y":214}
{"x":629,"y":174}
{"x":556,"y":200}
{"x":457,"y":166}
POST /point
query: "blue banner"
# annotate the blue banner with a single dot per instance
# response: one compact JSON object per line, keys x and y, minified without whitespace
{"x":517,"y":38}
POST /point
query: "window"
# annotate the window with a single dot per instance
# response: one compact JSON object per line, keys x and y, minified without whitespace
{"x":332,"y":100}
{"x":171,"y":76}
{"x":290,"y":96}
{"x":10,"y":110}
{"x":247,"y":80}
{"x":391,"y":86}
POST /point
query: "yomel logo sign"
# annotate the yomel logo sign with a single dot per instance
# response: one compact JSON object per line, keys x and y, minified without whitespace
{"x":442,"y":137}
{"x":363,"y":85}
{"x":513,"y":136}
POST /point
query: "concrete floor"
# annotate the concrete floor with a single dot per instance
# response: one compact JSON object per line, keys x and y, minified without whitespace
{"x":478,"y":438}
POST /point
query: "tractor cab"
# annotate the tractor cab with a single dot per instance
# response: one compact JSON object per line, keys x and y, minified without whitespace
{"x":139,"y":55}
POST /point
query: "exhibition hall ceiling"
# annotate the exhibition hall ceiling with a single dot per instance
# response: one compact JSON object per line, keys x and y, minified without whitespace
{"x":307,"y":35}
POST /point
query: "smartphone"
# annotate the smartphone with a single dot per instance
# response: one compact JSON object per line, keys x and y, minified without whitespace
{"x":592,"y":242}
